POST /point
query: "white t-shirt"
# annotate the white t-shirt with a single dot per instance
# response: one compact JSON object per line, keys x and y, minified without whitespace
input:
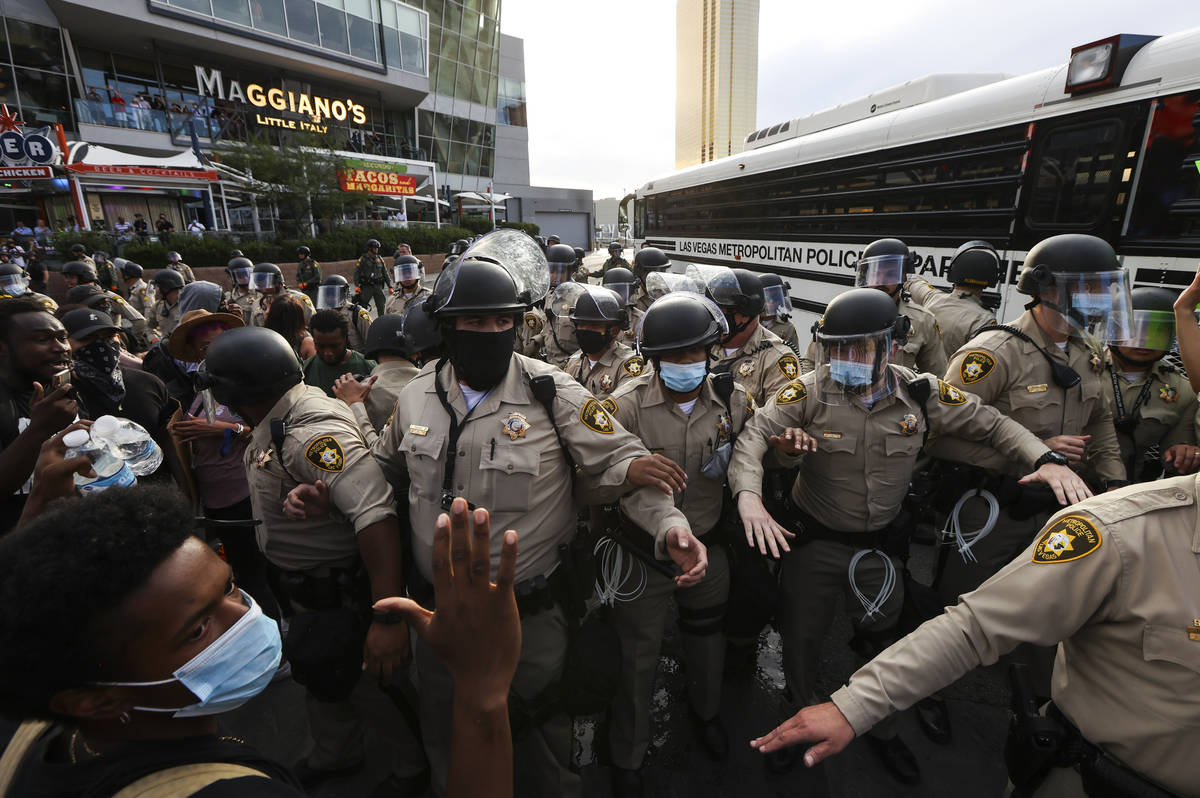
{"x":730,"y":352}
{"x":196,"y":226}
{"x":687,"y":407}
{"x":472,"y":396}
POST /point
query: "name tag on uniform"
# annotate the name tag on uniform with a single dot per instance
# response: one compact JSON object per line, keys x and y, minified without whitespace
{"x":1194,"y":631}
{"x":830,"y":434}
{"x":1039,"y":388}
{"x":417,"y":429}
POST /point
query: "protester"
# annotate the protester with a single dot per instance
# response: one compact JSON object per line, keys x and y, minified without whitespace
{"x":334,"y":357}
{"x":286,"y":316}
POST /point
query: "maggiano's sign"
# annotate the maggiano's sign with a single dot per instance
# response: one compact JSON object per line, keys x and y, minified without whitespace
{"x":317,"y":108}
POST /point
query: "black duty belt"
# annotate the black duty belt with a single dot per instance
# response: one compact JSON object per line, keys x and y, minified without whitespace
{"x":808,"y":529}
{"x":1103,"y":775}
{"x":535,"y":595}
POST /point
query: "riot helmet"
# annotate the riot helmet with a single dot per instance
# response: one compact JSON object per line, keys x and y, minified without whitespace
{"x":385,"y":336}
{"x":975,"y":264}
{"x":100,"y":257}
{"x":579,"y":253}
{"x":167,"y":280}
{"x":90,"y":296}
{"x":680,"y":320}
{"x":622,"y":281}
{"x":236,"y":253}
{"x":239,"y":270}
{"x":249,"y":364}
{"x":173,"y":257}
{"x":13,"y":279}
{"x":614,"y":248}
{"x":82,"y":272}
{"x":855,"y":339}
{"x":303,"y":251}
{"x":475,"y":288}
{"x":1152,"y":330}
{"x":561,"y":259}
{"x":1080,"y":278}
{"x":659,"y":284}
{"x":777,"y":302}
{"x":266,"y":278}
{"x":407,"y":269}
{"x":601,"y":307}
{"x":372,"y":243}
{"x":131,"y":270}
{"x":422,"y":334}
{"x":884,"y":264}
{"x":332,"y":292}
{"x":553,"y":239}
{"x":78,"y":249}
{"x":649,"y":259}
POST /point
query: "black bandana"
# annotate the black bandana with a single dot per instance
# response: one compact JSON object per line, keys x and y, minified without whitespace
{"x":98,"y":364}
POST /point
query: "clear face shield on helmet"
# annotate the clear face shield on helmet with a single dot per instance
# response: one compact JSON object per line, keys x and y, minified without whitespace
{"x":880,"y":271}
{"x":263,"y":282}
{"x":659,"y":284}
{"x":331,"y":297}
{"x":625,"y":291}
{"x":696,"y":296}
{"x":406,"y":272}
{"x":776,"y":301}
{"x":563,"y":298}
{"x":605,"y":301}
{"x":1095,"y":305}
{"x":560,"y":273}
{"x":1151,"y":329}
{"x":241,"y":276}
{"x":14,"y":284}
{"x":520,"y":256}
{"x":853,"y":366}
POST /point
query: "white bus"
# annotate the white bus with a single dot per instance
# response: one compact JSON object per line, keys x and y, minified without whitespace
{"x":1107,"y":144}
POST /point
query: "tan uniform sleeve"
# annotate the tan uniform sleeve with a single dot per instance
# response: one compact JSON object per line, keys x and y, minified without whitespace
{"x":338,"y":456}
{"x":600,"y":446}
{"x":1184,"y":431}
{"x":388,"y":453}
{"x":956,"y":412}
{"x":920,"y":291}
{"x":1031,"y":602}
{"x":808,"y":361}
{"x":932,"y":357}
{"x":746,"y":466}
{"x":359,"y":409}
{"x":987,"y":387}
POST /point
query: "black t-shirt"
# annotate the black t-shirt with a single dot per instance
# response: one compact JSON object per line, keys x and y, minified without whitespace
{"x":146,"y":401}
{"x":14,"y":406}
{"x":101,"y":777}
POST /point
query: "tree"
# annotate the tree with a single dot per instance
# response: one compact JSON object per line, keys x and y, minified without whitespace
{"x":296,"y":173}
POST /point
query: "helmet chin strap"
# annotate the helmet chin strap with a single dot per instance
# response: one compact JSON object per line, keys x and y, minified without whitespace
{"x":735,"y":329}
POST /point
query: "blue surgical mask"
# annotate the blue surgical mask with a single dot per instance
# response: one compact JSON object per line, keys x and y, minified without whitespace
{"x":1091,"y":305}
{"x":234,"y":668}
{"x":682,"y":377}
{"x":851,"y":373}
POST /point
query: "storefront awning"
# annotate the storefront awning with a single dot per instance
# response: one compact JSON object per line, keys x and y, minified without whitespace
{"x":92,"y":159}
{"x":471,"y":196}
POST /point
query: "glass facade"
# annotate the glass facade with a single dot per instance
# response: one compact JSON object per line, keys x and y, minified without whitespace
{"x":510,"y":105}
{"x":33,"y":78}
{"x":369,"y":30}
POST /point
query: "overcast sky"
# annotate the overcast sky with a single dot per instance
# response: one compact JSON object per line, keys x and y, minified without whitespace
{"x":600,"y":76}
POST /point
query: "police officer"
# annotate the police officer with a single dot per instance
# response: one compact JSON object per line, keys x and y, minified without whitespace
{"x":777,"y":308}
{"x":692,"y":416}
{"x":857,"y":424}
{"x":239,"y":269}
{"x":167,"y":285}
{"x":602,"y":362}
{"x":141,"y":295}
{"x":334,"y":294}
{"x":1044,"y":370}
{"x":1113,"y":581}
{"x":960,"y":312}
{"x":79,"y":273}
{"x":334,"y":567}
{"x":646,"y":260}
{"x":79,"y":253}
{"x":308,"y":272}
{"x":758,"y":359}
{"x":106,"y":272}
{"x":408,"y":274}
{"x":1153,"y":406}
{"x":615,"y":261}
{"x":401,"y":345}
{"x":267,"y":280}
{"x":625,"y":284}
{"x":370,"y":276}
{"x":558,"y":334}
{"x":14,"y":282}
{"x":502,"y":431}
{"x":580,"y":274}
{"x":175,"y":263}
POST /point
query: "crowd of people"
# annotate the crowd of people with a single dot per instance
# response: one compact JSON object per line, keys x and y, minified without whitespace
{"x":500,"y":487}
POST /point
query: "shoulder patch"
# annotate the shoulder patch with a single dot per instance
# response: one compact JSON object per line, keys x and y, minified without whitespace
{"x":789,"y":366}
{"x":533,"y":322}
{"x":609,"y":404}
{"x":634,"y":366}
{"x":789,"y":394}
{"x":949,"y":395}
{"x":1070,"y":538}
{"x":307,"y":301}
{"x":595,"y":417}
{"x":975,"y":366}
{"x":326,"y":454}
{"x":364,"y":315}
{"x":751,"y":407}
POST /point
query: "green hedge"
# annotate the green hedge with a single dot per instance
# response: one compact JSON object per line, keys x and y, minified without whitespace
{"x":482,"y":224}
{"x":342,"y":243}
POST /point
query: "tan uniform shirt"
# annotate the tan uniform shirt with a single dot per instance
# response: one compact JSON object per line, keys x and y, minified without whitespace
{"x":784,"y":329}
{"x":558,"y":340}
{"x":959,"y":314}
{"x":43,"y":300}
{"x":184,"y":270}
{"x":689,"y":439}
{"x":617,"y":365}
{"x":509,"y":461}
{"x":1167,"y":417}
{"x":322,"y":442}
{"x":1116,"y":579}
{"x":166,"y":317}
{"x":391,"y":376}
{"x":762,"y":365}
{"x":360,"y":321}
{"x":857,"y":478}
{"x":259,"y":308}
{"x":529,"y":333}
{"x":141,"y":297}
{"x":243,"y":302}
{"x":923,"y":351}
{"x":399,"y":303}
{"x":1011,"y":375}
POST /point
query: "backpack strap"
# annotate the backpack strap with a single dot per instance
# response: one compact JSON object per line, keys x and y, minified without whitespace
{"x":27,"y":734}
{"x":185,"y":780}
{"x":918,"y":388}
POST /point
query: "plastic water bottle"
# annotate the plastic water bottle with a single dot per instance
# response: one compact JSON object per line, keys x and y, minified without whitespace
{"x":111,"y":470}
{"x":133,"y":444}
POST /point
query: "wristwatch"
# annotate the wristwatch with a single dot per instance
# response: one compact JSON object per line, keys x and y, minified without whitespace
{"x":1051,"y":456}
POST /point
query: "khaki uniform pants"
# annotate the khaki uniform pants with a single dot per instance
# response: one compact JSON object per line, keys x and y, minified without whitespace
{"x":542,"y":756}
{"x":639,"y":624}
{"x":813,"y":576}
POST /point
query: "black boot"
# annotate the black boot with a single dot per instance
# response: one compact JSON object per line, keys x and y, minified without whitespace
{"x":626,"y":783}
{"x":712,"y":736}
{"x":934,"y":717}
{"x":897,"y":758}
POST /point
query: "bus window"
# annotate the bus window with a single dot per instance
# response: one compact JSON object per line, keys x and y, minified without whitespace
{"x":1076,"y":170}
{"x":1167,"y":205}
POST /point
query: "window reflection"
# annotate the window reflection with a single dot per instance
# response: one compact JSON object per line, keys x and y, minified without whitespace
{"x":267,"y":15}
{"x":302,"y":21}
{"x":237,"y":11}
{"x":35,"y":45}
{"x":333,"y":29}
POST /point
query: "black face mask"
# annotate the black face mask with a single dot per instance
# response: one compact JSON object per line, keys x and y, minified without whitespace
{"x":98,"y":363}
{"x":481,"y":359}
{"x":735,"y":329}
{"x":592,"y":342}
